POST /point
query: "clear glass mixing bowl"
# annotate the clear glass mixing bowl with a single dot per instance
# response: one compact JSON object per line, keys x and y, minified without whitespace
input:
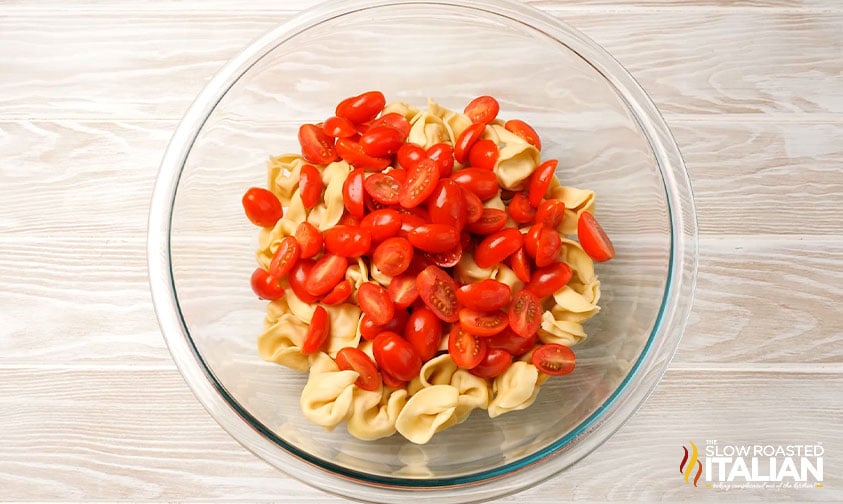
{"x":591,"y":115}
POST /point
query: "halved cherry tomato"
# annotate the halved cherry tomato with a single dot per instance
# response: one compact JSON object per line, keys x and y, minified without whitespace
{"x":354,"y":359}
{"x":531,"y":239}
{"x":352,"y":193}
{"x":491,"y":220}
{"x":421,"y":181}
{"x":325,"y":274}
{"x":549,"y":279}
{"x":594,"y":239}
{"x":361,"y":108}
{"x":466,"y":140}
{"x":551,"y":213}
{"x":548,"y":247}
{"x":520,"y":209}
{"x":383,"y":188}
{"x":402,"y":290}
{"x":266,"y":286}
{"x":393,"y":256}
{"x":317,"y":331}
{"x":316,"y":146}
{"x":297,"y":277}
{"x":497,"y":246}
{"x":346,"y":219}
{"x":285,"y":257}
{"x":339,"y":294}
{"x":393,"y":120}
{"x":338,"y":127}
{"x":525,"y":313}
{"x":483,"y":323}
{"x":383,"y":223}
{"x":310,"y":186}
{"x":409,"y":222}
{"x":493,"y":364}
{"x":442,"y":155}
{"x":375,"y":302}
{"x":512,"y":343}
{"x":409,"y":154}
{"x":466,"y":349}
{"x":525,"y":131}
{"x":262,"y":207}
{"x":484,"y":154}
{"x":352,"y":153}
{"x":391,"y":381}
{"x":554,"y":360}
{"x":485,"y":295}
{"x":473,"y":206}
{"x":483,"y":183}
{"x":540,"y":181}
{"x":447,"y":205}
{"x":348,"y":241}
{"x":439,"y":292}
{"x":423,"y":331}
{"x":396,"y":356}
{"x":309,"y":238}
{"x":482,"y":109}
{"x":434,"y":237}
{"x":369,"y":330}
{"x":520,"y":265}
{"x":381,"y":141}
{"x":446,"y":259}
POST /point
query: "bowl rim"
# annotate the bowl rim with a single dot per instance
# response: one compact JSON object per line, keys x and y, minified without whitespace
{"x":508,"y":478}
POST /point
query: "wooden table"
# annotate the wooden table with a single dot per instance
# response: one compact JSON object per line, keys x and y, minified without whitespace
{"x":91,"y":405}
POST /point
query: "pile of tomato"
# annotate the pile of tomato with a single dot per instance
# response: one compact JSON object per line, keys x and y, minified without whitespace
{"x":412,"y":215}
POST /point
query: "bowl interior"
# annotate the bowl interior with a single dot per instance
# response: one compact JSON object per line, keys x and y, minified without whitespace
{"x":411,"y":52}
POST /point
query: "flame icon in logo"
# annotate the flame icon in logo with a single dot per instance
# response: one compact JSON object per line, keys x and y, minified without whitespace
{"x":686,"y":467}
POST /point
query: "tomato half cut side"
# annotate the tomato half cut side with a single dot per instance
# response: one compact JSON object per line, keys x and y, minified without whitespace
{"x":483,"y":109}
{"x":421,"y":181}
{"x":473,"y":206}
{"x":547,"y":247}
{"x":317,"y":331}
{"x":396,"y":356}
{"x":316,"y":146}
{"x":551,"y":213}
{"x":446,"y":259}
{"x":383,"y":188}
{"x":354,"y":359}
{"x":262,"y":207}
{"x":525,"y":313}
{"x":393,"y":256}
{"x":402,"y":290}
{"x":266,"y":286}
{"x":483,"y":323}
{"x":424,"y":331}
{"x":554,"y":360}
{"x":525,"y":131}
{"x":520,"y":208}
{"x":375,"y":303}
{"x":339,"y":294}
{"x":493,"y":364}
{"x":438,"y":291}
{"x":490,"y":221}
{"x":466,"y":349}
{"x":285,"y":257}
{"x":309,"y":238}
{"x":594,"y":239}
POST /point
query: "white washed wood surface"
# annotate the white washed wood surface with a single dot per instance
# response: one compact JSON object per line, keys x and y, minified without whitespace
{"x":91,"y":406}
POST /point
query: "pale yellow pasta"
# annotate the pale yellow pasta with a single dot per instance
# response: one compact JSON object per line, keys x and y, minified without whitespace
{"x":406,"y":110}
{"x":502,"y":273}
{"x":515,"y":389}
{"x":281,"y":340}
{"x":426,"y":412}
{"x":467,"y":271}
{"x":427,"y":129}
{"x":517,"y":159}
{"x":576,"y":202}
{"x":344,"y":320}
{"x":561,"y":332}
{"x":283,"y":174}
{"x":374,"y":413}
{"x":301,"y":310}
{"x":573,"y":306}
{"x":455,"y":122}
{"x":378,"y":276}
{"x":328,"y":394}
{"x":474,"y":393}
{"x":357,"y":273}
{"x":437,"y":371}
{"x":327,"y":213}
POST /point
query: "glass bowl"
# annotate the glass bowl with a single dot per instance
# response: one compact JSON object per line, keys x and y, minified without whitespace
{"x":591,"y":115}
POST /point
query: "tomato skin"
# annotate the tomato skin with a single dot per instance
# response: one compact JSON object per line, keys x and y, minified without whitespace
{"x":512,"y":343}
{"x":483,"y":109}
{"x":442,"y":155}
{"x":466,"y":350}
{"x":352,"y":193}
{"x":317,"y":331}
{"x":483,"y":183}
{"x":409,"y":222}
{"x":375,"y":302}
{"x":473,"y":206}
{"x":551,"y":213}
{"x":424,"y":331}
{"x":352,"y":153}
{"x":383,"y":188}
{"x":531,"y":239}
{"x":491,"y":220}
{"x":484,"y":154}
{"x":409,"y":154}
{"x":382,"y":224}
{"x":497,"y":246}
{"x":520,"y":265}
{"x":466,"y":140}
{"x":348,"y":241}
{"x":391,"y":381}
{"x":262,"y":207}
{"x":310,"y":186}
{"x":381,"y":141}
{"x":266,"y":286}
{"x":520,"y":208}
{"x":446,"y":259}
{"x":396,"y":356}
{"x":338,"y":127}
{"x":421,"y":181}
{"x":483,"y":323}
{"x":548,"y":246}
{"x":361,"y":108}
{"x":393,"y":120}
{"x":525,"y":313}
{"x":327,"y":272}
{"x":393,"y":256}
{"x":540,"y":181}
{"x":354,"y":359}
{"x":316,"y":146}
{"x":594,"y":239}
{"x":525,"y":131}
{"x":438,"y":291}
{"x":493,"y":364}
{"x":297,"y":278}
{"x":285,"y":257}
{"x":554,"y":360}
{"x":434,"y":237}
{"x":485,"y":295}
{"x":339,"y":294}
{"x":402,"y":290}
{"x":447,"y":205}
{"x":309,"y":238}
{"x":369,"y":330}
{"x":549,"y":279}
